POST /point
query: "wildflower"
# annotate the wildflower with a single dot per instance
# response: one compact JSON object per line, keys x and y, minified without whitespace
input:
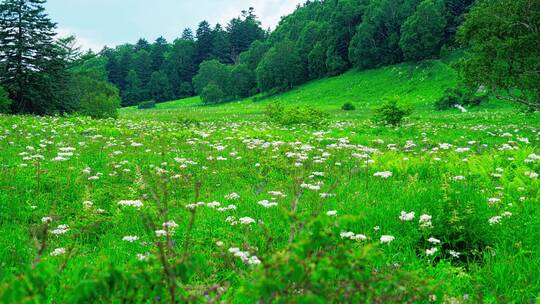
{"x":132,"y":203}
{"x":406,"y":217}
{"x":494,"y":200}
{"x":130,"y":238}
{"x":331,"y":213}
{"x":58,"y":252}
{"x":232,"y":196}
{"x":170,"y":224}
{"x":88,"y":204}
{"x":46,"y":219}
{"x":531,"y":174}
{"x":495,"y":220}
{"x":434,"y":240}
{"x":458,"y":178}
{"x":385,"y":239}
{"x":455,"y":254}
{"x":266,"y":204}
{"x":425,"y":221}
{"x":383,"y":174}
{"x":213,"y":204}
{"x":430,"y":252}
{"x":246,"y":220}
{"x":142,"y":257}
{"x":160,"y":233}
{"x":61,"y":229}
{"x":219,"y":243}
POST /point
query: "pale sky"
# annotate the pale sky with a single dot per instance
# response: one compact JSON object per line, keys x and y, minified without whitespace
{"x":97,"y":23}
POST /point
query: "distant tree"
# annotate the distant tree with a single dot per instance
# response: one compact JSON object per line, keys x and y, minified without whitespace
{"x":242,"y":81}
{"x":32,"y":66}
{"x":157,"y":53}
{"x":212,"y":93}
{"x":221,"y":46}
{"x":212,"y":72}
{"x":187,"y":34}
{"x":204,"y":43}
{"x":376,"y":42}
{"x":142,"y":44}
{"x":243,"y":31}
{"x":142,"y":65}
{"x":335,"y":64}
{"x":422,"y":34}
{"x":133,"y":92}
{"x":159,"y":87}
{"x":281,"y":68}
{"x":180,"y":66}
{"x":317,"y":61}
{"x":504,"y":53}
{"x":253,"y":56}
{"x":5,"y":102}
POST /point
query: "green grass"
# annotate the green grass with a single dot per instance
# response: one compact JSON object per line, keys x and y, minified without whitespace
{"x":154,"y":156}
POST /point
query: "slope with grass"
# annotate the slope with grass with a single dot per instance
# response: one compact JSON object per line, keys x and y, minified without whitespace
{"x":416,"y":84}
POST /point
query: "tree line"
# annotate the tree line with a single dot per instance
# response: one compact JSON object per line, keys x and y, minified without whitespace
{"x":320,"y":38}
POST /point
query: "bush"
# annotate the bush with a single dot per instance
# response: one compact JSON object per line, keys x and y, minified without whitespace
{"x":348,"y":106}
{"x":5,"y":102}
{"x":391,"y":113}
{"x":147,"y":105}
{"x":297,"y":115}
{"x":321,"y":268}
{"x":97,"y":99}
{"x":459,"y":96}
{"x":212,"y":93}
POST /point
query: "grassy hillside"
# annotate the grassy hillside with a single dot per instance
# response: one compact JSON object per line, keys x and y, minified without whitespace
{"x":419,"y":85}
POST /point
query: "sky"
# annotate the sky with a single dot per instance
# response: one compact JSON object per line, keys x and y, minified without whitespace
{"x":97,"y":23}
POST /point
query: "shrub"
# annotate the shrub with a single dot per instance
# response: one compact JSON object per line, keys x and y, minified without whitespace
{"x":98,"y":99}
{"x":297,"y":115}
{"x":321,"y":268}
{"x":5,"y":102}
{"x":391,"y":113}
{"x":348,"y":106}
{"x":212,"y":93}
{"x":459,"y":96}
{"x":147,"y":105}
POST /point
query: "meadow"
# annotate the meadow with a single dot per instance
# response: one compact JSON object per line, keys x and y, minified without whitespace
{"x":209,"y":204}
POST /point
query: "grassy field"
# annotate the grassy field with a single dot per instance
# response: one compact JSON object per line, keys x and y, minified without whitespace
{"x":233,"y":208}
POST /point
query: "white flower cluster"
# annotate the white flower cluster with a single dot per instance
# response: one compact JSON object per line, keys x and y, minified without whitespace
{"x":131,"y":203}
{"x":425,"y":221}
{"x":352,"y":236}
{"x":245,"y":256}
{"x":406,"y":217}
{"x":383,"y":174}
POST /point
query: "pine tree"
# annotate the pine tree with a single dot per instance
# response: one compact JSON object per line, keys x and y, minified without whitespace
{"x":157,"y":53}
{"x":133,"y":93}
{"x":159,"y":87}
{"x":187,"y":34}
{"x":27,"y":52}
{"x":204,"y":43}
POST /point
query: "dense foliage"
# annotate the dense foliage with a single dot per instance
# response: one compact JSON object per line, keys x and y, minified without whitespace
{"x":5,"y":102}
{"x":47,"y":75}
{"x":504,"y":56}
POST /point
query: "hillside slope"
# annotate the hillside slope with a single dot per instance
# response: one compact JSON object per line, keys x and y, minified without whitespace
{"x":418,"y":85}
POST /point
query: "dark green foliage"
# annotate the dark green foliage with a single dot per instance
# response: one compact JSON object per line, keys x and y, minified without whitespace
{"x":133,"y":92}
{"x":296,"y":115}
{"x":422,"y":34}
{"x":317,"y":61}
{"x":242,"y":81}
{"x":157,"y":53}
{"x":281,"y":68}
{"x":376,"y":42}
{"x":212,"y":93}
{"x":146,"y":105}
{"x":348,"y":106}
{"x":33,"y":69}
{"x":212,"y":72}
{"x":253,"y":56}
{"x":159,"y":87}
{"x":205,"y":40}
{"x":460,"y":96}
{"x":5,"y":102}
{"x":221,"y":45}
{"x":390,"y":113}
{"x":243,"y":31}
{"x":98,"y":99}
{"x":504,"y":52}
